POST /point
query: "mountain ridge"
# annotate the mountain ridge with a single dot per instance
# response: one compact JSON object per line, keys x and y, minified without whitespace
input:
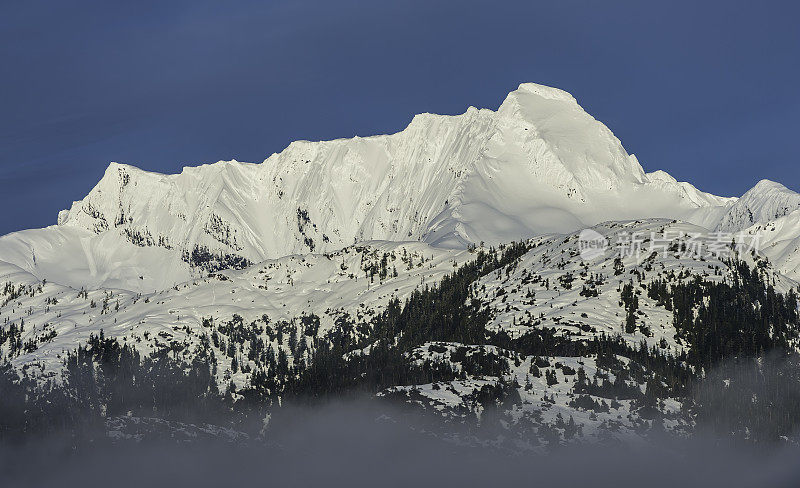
{"x":538,"y":164}
{"x":767,"y":200}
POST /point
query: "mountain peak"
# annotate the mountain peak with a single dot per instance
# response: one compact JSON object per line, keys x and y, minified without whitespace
{"x":547,"y":92}
{"x":661,"y":175}
{"x":766,"y":201}
{"x":769,"y":186}
{"x":539,"y":164}
{"x":532,"y":98}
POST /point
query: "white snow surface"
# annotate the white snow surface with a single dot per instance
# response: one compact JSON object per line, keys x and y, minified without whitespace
{"x":763,"y":203}
{"x":538,"y":164}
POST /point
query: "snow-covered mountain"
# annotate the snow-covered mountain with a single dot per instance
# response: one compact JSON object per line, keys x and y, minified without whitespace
{"x":538,"y":164}
{"x":763,"y":203}
{"x":253,"y":262}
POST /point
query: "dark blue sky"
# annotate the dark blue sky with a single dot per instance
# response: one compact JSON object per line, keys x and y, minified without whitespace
{"x":707,"y":90}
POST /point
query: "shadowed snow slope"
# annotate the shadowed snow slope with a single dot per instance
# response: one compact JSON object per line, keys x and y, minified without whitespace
{"x":539,"y":164}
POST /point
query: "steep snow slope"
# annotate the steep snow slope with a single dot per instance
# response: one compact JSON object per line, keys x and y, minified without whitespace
{"x":538,"y":164}
{"x":82,"y":259}
{"x":779,"y":241}
{"x":764,"y":202}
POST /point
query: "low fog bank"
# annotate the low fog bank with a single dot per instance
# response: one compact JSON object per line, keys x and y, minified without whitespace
{"x":361,"y":442}
{"x":355,"y":444}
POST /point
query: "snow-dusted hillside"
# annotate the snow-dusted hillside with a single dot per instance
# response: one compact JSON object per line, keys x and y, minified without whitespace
{"x":551,"y":289}
{"x":357,"y":281}
{"x":538,"y":164}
